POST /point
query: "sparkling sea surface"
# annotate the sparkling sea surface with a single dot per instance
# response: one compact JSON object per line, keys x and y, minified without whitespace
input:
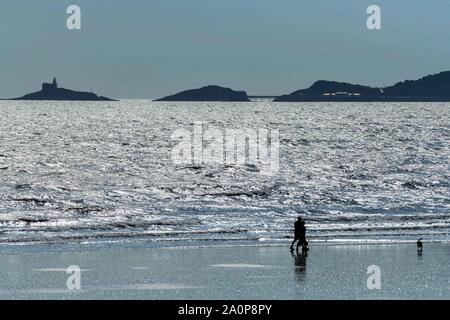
{"x":100,"y":172}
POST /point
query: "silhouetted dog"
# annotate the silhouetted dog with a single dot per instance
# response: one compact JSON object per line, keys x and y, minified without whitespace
{"x":419,"y":244}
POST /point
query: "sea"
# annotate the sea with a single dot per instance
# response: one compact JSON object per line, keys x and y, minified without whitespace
{"x":97,"y":173}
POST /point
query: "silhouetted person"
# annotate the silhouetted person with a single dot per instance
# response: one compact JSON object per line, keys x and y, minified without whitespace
{"x":419,"y":245}
{"x":302,"y":237}
{"x":299,"y":233}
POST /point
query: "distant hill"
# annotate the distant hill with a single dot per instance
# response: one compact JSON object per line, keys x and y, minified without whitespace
{"x":430,"y":88}
{"x":330,"y":90}
{"x":208,"y":93}
{"x":50,"y":91}
{"x":437,"y":85}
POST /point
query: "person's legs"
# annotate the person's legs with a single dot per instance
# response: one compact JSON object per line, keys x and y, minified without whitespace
{"x":304,"y":244}
{"x":292,"y":245}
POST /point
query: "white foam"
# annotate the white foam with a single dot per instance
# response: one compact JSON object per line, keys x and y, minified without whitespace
{"x":57,"y":270}
{"x":240,"y":265}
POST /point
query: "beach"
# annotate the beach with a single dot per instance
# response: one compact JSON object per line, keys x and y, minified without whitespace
{"x":335,"y":271}
{"x":173,"y":150}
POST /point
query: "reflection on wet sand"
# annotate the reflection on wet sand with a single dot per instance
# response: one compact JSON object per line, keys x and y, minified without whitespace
{"x":300,"y":264}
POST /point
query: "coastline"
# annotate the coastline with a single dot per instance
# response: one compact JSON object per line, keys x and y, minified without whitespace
{"x":331,"y":271}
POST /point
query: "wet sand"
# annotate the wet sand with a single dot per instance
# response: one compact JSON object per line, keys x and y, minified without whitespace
{"x":239,"y":272}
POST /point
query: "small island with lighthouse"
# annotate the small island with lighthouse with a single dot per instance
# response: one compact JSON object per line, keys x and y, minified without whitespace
{"x":51,"y":91}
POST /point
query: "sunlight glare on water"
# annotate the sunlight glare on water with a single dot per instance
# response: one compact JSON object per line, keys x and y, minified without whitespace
{"x":75,"y":171}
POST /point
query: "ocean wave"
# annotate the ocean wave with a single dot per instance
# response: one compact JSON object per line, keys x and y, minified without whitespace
{"x":352,"y":172}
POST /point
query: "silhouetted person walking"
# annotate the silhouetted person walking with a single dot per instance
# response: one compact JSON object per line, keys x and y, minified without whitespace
{"x":298,"y":232}
{"x":302,"y":237}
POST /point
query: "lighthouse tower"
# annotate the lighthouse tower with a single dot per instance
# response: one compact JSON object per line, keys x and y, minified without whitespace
{"x":46,"y":87}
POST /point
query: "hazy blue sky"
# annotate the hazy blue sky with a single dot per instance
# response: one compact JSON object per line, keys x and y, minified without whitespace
{"x":150,"y":48}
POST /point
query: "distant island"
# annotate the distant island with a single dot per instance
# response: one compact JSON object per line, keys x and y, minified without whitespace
{"x":430,"y":88}
{"x":208,"y":93}
{"x":50,"y":91}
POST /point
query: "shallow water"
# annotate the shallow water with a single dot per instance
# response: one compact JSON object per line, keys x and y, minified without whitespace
{"x":326,"y":272}
{"x":99,"y":172}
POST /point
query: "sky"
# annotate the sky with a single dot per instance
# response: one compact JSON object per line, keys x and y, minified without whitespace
{"x":152,"y":48}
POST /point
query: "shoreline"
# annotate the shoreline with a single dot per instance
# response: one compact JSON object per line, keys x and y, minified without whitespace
{"x":151,"y":244}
